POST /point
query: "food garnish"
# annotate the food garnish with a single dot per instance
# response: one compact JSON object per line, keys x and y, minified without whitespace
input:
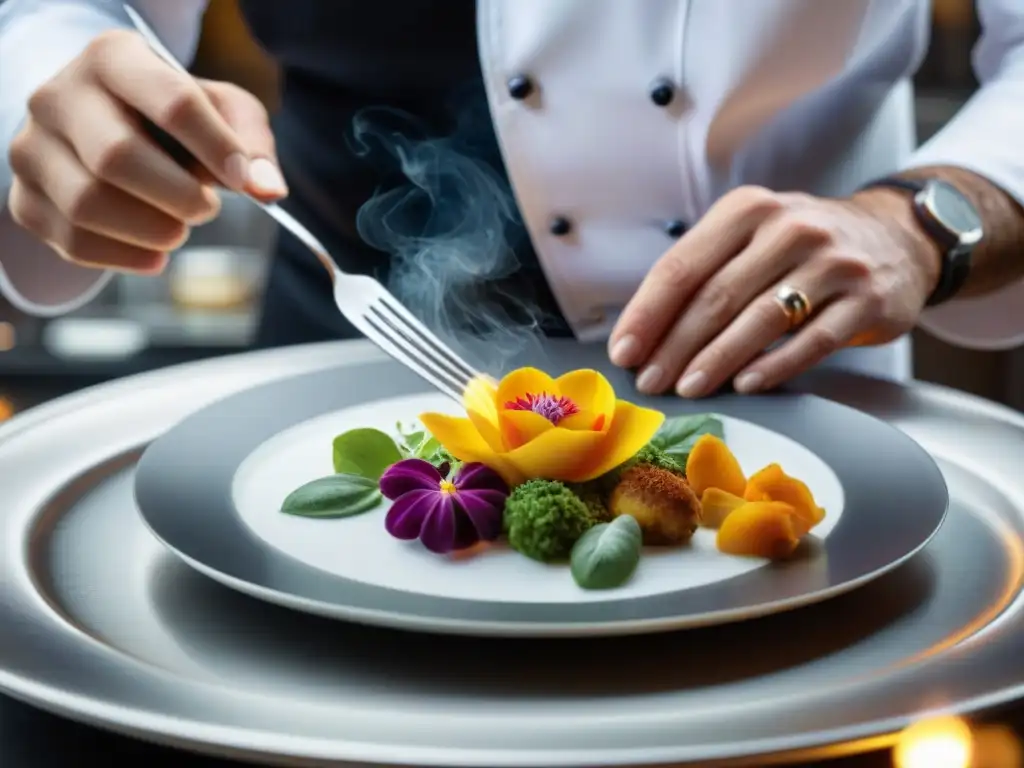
{"x":532,"y":426}
{"x":445,"y":514}
{"x":773,"y":484}
{"x":715,"y":506}
{"x":544,"y":519}
{"x":662,"y":502}
{"x":607,"y":555}
{"x":712,"y":465}
{"x":562,"y":470}
{"x":760,"y":529}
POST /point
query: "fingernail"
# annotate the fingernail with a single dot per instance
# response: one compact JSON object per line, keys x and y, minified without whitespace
{"x":236,"y":171}
{"x":265,"y":176}
{"x":649,"y":379}
{"x":748,"y":382}
{"x":692,"y":384}
{"x":623,"y":351}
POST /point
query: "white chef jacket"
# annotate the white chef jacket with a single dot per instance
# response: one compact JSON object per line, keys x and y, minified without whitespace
{"x":790,"y":94}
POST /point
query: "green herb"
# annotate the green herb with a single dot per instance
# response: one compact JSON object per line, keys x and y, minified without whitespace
{"x":409,"y":440}
{"x":677,"y":436}
{"x":365,"y":452}
{"x":606,"y":556}
{"x":418,"y":444}
{"x":341,"y":495}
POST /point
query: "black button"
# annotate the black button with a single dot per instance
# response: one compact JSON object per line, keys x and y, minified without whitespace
{"x":662,"y":92}
{"x":560,"y":226}
{"x":675,"y":228}
{"x":519,"y":87}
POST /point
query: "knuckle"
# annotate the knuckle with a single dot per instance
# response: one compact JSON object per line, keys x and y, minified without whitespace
{"x":719,"y":304}
{"x":112,"y":159}
{"x":180,"y":107}
{"x":25,"y":214}
{"x":77,"y":245}
{"x":673,"y":269}
{"x":768,"y":314}
{"x":821,"y":342}
{"x":797,"y":229}
{"x":752,"y":199}
{"x":846,"y":265}
{"x":44,"y":99}
{"x":98,"y":50}
{"x":83,"y":201}
{"x":20,"y":154}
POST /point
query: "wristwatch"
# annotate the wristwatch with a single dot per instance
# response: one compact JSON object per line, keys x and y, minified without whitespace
{"x":951,"y":220}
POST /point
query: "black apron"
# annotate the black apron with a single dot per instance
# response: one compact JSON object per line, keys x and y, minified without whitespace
{"x":386,"y":142}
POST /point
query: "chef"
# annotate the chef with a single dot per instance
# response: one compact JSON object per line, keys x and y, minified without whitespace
{"x":725,"y":190}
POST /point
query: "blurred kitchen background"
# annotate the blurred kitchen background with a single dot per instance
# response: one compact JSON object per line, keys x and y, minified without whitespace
{"x":206,"y":303}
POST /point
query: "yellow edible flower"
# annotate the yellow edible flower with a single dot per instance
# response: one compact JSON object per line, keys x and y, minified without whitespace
{"x":530,"y":426}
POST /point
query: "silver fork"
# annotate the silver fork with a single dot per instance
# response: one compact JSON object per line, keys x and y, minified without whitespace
{"x":364,"y":302}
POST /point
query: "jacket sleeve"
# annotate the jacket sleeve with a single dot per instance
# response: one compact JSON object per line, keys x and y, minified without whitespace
{"x":986,"y":138}
{"x":38,"y":38}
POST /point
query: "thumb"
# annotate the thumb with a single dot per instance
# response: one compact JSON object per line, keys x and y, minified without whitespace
{"x":248,"y":118}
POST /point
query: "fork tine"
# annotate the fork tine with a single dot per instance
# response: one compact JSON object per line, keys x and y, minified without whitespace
{"x":400,"y":312}
{"x":389,"y":340}
{"x":424,"y":339}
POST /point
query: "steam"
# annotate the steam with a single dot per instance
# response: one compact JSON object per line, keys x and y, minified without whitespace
{"x":451,"y":227}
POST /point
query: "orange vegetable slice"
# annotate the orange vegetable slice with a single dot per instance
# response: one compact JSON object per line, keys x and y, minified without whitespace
{"x":773,"y":484}
{"x":716,"y":505}
{"x":760,"y":529}
{"x":712,"y":465}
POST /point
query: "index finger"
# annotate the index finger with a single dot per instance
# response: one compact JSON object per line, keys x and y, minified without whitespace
{"x":175,"y":103}
{"x":675,"y":278}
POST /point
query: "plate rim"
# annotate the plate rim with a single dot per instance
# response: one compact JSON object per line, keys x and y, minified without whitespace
{"x":167,"y":524}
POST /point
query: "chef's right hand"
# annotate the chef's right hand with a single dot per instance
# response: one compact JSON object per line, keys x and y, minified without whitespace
{"x":91,"y":183}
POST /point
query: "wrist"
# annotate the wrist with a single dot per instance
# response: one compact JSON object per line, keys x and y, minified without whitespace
{"x":895,"y":209}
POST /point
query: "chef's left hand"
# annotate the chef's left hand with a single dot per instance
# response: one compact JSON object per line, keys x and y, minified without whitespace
{"x":707,"y":310}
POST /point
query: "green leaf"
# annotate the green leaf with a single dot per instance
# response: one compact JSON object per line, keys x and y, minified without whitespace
{"x":333,"y":496}
{"x":606,"y":556}
{"x":428,"y":448}
{"x":677,"y":436}
{"x":366,"y":452}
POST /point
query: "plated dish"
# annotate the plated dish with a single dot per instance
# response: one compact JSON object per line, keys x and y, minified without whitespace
{"x":212,"y":490}
{"x":561,"y":471}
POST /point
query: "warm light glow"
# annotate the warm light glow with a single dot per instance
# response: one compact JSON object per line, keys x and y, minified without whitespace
{"x":6,"y":409}
{"x":7,"y":337}
{"x":943,"y":742}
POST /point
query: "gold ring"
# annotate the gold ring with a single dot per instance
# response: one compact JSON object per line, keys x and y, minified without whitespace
{"x":795,"y":305}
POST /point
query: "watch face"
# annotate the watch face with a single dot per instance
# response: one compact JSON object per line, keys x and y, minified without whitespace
{"x":952,"y":210}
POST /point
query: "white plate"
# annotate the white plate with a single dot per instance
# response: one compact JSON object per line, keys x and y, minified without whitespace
{"x":211,"y":489}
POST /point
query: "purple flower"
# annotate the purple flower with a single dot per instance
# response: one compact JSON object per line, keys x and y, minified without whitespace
{"x":446,"y":515}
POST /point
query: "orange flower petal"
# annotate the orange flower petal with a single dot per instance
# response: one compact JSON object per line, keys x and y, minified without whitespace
{"x":586,"y":421}
{"x":458,"y":436}
{"x":589,"y":390}
{"x":632,"y":427}
{"x":479,"y":401}
{"x":716,"y":505}
{"x":519,"y":427}
{"x":759,"y":529}
{"x":773,"y":484}
{"x":712,"y":465}
{"x":522,"y":382}
{"x":558,"y":454}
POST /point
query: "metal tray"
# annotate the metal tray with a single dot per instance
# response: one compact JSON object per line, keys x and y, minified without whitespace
{"x":102,"y":625}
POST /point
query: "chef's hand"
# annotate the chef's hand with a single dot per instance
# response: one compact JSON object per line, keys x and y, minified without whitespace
{"x":708,"y":310}
{"x":90,"y":182}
